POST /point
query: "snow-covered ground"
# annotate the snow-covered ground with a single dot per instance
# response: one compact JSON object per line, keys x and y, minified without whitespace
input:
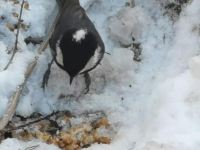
{"x":153,"y":104}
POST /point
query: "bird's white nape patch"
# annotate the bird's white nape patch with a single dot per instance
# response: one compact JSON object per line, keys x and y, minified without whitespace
{"x":59,"y":54}
{"x":79,"y":35}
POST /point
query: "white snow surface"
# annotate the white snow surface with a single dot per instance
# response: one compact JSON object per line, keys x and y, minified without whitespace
{"x":161,"y":108}
{"x":19,"y":145}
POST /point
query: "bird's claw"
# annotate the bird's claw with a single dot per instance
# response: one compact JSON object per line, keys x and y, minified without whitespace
{"x":46,"y":76}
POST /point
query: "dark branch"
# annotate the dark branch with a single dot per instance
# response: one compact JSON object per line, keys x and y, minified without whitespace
{"x":17,"y":37}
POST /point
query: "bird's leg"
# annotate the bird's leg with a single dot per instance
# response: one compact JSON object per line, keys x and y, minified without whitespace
{"x":46,"y":75}
{"x":87,"y":82}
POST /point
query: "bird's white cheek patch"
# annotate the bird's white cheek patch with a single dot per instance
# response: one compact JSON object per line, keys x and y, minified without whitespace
{"x":79,"y":35}
{"x":97,"y":55}
{"x":59,"y":55}
{"x":94,"y":59}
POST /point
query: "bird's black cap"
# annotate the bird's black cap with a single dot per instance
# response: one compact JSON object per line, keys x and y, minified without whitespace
{"x":76,"y":54}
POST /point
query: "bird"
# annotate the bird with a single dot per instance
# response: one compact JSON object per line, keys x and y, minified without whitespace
{"x":76,"y":46}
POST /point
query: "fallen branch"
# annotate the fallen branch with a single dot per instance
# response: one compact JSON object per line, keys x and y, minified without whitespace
{"x":132,"y":3}
{"x":32,"y":147}
{"x":16,"y":96}
{"x":17,"y":37}
{"x":31,"y":122}
{"x":46,"y":41}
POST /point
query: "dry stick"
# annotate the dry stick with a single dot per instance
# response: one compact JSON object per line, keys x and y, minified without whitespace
{"x":15,"y":98}
{"x":31,"y":122}
{"x":46,"y":41}
{"x":17,"y":37}
{"x":132,"y":3}
{"x":32,"y":147}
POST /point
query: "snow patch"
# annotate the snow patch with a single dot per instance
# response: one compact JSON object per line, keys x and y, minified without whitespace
{"x":128,"y":23}
{"x":194,"y":63}
{"x":153,"y":104}
{"x":11,"y":144}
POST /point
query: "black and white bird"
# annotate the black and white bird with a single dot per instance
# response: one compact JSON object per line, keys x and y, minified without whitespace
{"x":75,"y":44}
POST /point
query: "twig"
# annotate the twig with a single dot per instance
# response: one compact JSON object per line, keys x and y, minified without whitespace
{"x":32,"y":147}
{"x":108,"y":53}
{"x":15,"y":98}
{"x":132,"y":3}
{"x":46,"y":41}
{"x":31,"y":122}
{"x":17,"y":37}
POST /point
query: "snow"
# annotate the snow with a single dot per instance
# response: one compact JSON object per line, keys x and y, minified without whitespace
{"x":194,"y":63}
{"x":79,"y":35}
{"x":16,"y":144}
{"x":128,"y":23}
{"x":159,"y":111}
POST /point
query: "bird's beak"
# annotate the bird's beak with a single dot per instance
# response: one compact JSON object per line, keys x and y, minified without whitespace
{"x":71,"y":79}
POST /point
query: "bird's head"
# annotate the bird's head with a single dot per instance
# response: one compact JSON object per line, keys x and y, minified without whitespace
{"x":74,"y":50}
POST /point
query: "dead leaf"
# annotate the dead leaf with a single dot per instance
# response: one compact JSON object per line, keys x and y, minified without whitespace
{"x":11,"y":27}
{"x":15,"y":14}
{"x":26,"y":5}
